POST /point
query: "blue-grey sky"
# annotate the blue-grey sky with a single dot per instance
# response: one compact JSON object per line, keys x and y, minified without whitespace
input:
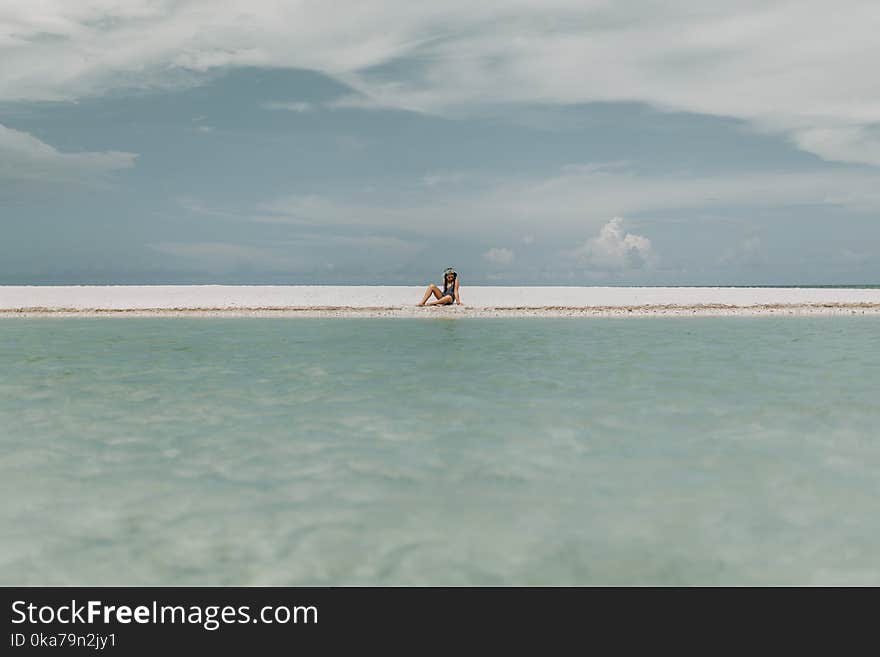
{"x":542,"y":142}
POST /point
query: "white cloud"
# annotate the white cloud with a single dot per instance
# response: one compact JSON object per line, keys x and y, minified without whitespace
{"x":24,"y":158}
{"x":576,"y":199}
{"x":792,"y":67}
{"x":199,"y":207}
{"x":498,"y":256}
{"x":846,"y":143}
{"x":442,"y":179}
{"x":348,"y":101}
{"x":855,"y":257}
{"x":615,"y":249}
{"x":220,"y":256}
{"x":573,"y":198}
{"x":308,"y":209}
{"x":749,"y":253}
{"x":360,"y":247}
{"x":299,"y":107}
{"x":365,"y":102}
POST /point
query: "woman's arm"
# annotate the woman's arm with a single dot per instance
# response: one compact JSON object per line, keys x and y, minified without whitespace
{"x":457,"y":295}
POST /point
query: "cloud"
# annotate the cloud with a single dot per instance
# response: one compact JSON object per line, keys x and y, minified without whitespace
{"x":859,"y":257}
{"x":847,"y":143}
{"x":790,"y":67}
{"x":299,"y":107}
{"x":443,"y":179}
{"x":749,"y":253}
{"x":498,"y":256}
{"x":221,"y":256}
{"x":365,"y":102}
{"x":615,"y":249}
{"x":574,"y":199}
{"x":348,"y":101}
{"x":24,"y":159}
{"x":309,"y":209}
{"x":199,"y":207}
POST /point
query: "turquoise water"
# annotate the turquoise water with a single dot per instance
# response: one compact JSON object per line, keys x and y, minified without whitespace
{"x":457,"y":451}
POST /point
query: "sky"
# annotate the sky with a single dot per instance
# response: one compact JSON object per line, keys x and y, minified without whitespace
{"x":542,"y":142}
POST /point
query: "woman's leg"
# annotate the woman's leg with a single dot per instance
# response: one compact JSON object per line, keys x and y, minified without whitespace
{"x":441,"y":301}
{"x":432,"y":289}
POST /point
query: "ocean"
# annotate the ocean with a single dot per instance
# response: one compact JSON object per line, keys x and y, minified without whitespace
{"x":456,"y":451}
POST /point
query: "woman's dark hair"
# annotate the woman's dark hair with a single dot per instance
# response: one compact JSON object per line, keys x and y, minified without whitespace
{"x":454,"y":278}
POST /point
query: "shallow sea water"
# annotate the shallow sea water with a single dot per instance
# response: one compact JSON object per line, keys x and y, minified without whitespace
{"x":671,"y":451}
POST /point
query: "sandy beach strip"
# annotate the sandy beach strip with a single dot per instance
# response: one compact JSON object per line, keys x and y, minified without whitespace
{"x":399,"y":301}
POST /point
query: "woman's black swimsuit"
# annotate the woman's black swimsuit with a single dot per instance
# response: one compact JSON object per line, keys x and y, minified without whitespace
{"x":449,"y":290}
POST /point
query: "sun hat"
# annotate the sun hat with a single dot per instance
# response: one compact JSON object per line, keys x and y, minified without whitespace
{"x":450,"y":270}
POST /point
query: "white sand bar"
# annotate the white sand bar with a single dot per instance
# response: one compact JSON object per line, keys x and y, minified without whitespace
{"x":399,"y":301}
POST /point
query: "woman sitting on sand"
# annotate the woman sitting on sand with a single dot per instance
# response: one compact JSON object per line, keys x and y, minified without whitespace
{"x":450,"y":290}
